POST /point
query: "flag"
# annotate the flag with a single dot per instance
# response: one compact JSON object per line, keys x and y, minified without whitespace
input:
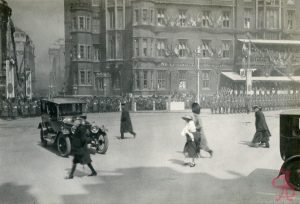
{"x":10,"y":80}
{"x":28,"y":84}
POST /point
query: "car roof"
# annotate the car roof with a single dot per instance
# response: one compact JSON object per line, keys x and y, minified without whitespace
{"x":64,"y":101}
{"x":291,"y":112}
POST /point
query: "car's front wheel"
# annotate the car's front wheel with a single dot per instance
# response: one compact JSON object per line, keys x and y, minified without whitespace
{"x":63,"y":145}
{"x":292,"y":175}
{"x":102,"y":144}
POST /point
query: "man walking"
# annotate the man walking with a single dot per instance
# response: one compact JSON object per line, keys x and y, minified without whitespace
{"x":81,"y":152}
{"x":126,"y":125}
{"x":262,"y":133}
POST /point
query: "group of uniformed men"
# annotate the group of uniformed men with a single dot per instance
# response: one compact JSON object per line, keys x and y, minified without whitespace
{"x":13,"y":108}
{"x":242,"y":103}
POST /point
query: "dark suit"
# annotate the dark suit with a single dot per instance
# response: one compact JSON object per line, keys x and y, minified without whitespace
{"x":126,"y":125}
{"x":262,"y":133}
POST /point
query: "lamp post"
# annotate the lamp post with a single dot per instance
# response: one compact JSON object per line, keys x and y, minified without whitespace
{"x":198,"y":54}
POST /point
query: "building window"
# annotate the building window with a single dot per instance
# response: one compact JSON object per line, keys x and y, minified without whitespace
{"x":206,"y":48}
{"x":89,"y":77}
{"x":136,"y":47}
{"x":136,"y":16}
{"x":161,"y":79}
{"x":160,"y":48}
{"x":81,"y":52}
{"x":182,"y":18}
{"x":82,"y":77}
{"x":272,"y":17}
{"x":137,"y":79}
{"x":120,"y":46}
{"x":226,"y":21}
{"x":206,"y":19}
{"x":81,"y":22}
{"x":74,"y":23}
{"x":205,"y":79}
{"x":151,"y":16}
{"x":95,"y":2}
{"x":151,"y":48}
{"x":112,"y":47}
{"x":88,"y":23}
{"x":247,"y":18}
{"x":152,"y":80}
{"x":145,"y":47}
{"x":226,"y":48}
{"x":160,"y":17}
{"x":182,"y":48}
{"x":260,"y":18}
{"x":182,"y":79}
{"x":145,"y":77}
{"x":111,"y":18}
{"x":120,"y":18}
{"x":291,"y":17}
{"x":89,"y":52}
{"x":100,"y":83}
{"x":144,"y":16}
{"x":97,"y":53}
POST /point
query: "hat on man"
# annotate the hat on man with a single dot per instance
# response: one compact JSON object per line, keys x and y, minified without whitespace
{"x":256,"y":106}
{"x":187,"y":118}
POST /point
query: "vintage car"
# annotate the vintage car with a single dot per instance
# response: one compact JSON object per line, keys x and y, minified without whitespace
{"x":57,"y":126}
{"x":290,"y":147}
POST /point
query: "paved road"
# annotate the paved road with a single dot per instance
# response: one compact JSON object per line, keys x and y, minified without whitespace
{"x":147,"y":169}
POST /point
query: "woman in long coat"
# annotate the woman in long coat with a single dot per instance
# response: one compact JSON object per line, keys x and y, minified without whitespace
{"x":126,"y":125}
{"x":80,"y":149}
{"x":200,"y":138}
{"x":262,"y":133}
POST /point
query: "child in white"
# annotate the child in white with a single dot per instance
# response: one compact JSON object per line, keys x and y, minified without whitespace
{"x":190,"y":147}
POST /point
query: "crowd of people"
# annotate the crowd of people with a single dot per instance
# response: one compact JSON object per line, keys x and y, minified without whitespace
{"x":218,"y":104}
{"x":242,"y":103}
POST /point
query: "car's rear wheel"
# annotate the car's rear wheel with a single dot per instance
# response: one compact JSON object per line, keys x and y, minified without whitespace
{"x":292,"y":175}
{"x":103,"y":144}
{"x":63,"y":145}
{"x":43,"y":141}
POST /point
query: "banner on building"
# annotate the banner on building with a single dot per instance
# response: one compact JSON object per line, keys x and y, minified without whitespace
{"x":10,"y":80}
{"x":28,"y":84}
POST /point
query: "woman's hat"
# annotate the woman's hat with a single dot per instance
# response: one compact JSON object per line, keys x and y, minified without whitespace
{"x":187,"y":117}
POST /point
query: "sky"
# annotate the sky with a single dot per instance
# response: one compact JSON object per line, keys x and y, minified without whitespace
{"x":43,"y":21}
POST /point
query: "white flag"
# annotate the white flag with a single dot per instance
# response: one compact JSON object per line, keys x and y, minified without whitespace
{"x":10,"y":80}
{"x":28,"y":84}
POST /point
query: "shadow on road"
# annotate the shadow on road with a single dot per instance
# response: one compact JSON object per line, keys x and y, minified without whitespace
{"x":164,"y":185}
{"x":50,"y":148}
{"x":11,"y":193}
{"x":248,"y":143}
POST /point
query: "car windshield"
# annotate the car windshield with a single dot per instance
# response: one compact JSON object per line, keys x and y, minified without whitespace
{"x":70,"y":109}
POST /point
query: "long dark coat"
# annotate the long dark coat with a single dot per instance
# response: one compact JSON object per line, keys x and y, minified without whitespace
{"x":200,"y":138}
{"x":79,"y":145}
{"x":126,"y":125}
{"x":262,"y":133}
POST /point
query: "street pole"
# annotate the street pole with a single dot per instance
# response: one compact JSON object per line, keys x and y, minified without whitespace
{"x":198,"y":80}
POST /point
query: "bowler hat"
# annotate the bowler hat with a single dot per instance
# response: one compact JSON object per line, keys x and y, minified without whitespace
{"x":187,"y":117}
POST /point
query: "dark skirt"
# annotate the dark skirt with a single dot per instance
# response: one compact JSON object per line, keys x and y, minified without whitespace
{"x":261,"y":136}
{"x":82,"y":157}
{"x":190,"y":149}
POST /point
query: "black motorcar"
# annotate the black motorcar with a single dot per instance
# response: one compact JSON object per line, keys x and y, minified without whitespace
{"x":57,"y":126}
{"x":290,"y":147}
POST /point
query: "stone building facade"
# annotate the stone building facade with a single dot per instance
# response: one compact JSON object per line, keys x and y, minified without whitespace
{"x":114,"y":47}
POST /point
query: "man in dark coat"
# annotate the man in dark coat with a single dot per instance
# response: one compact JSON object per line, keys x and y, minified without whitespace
{"x":262,"y":133}
{"x":80,"y":150}
{"x":126,"y":125}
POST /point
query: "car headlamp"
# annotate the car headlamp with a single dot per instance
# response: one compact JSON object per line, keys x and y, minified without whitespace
{"x":94,"y":129}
